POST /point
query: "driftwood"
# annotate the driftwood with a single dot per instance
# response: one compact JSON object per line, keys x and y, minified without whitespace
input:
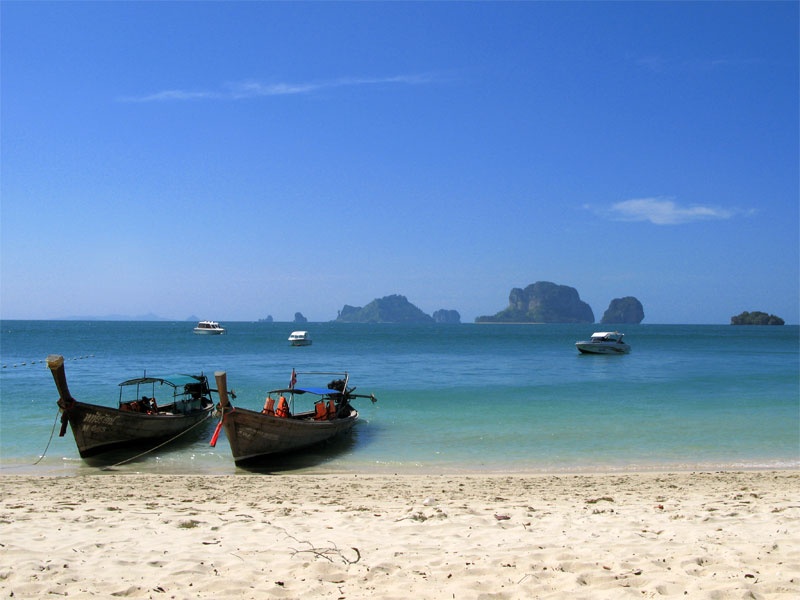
{"x":327,"y":553}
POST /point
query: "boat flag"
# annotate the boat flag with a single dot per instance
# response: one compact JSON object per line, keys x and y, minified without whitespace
{"x":293,"y":380}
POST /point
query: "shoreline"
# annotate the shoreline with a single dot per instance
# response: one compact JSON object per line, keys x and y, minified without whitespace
{"x":216,"y":464}
{"x":77,"y":467}
{"x":364,"y":535}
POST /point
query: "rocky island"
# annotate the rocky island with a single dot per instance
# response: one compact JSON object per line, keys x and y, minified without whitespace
{"x":625,"y":310}
{"x":543,"y":302}
{"x":446,"y":316}
{"x":389,"y":309}
{"x":756,"y":318}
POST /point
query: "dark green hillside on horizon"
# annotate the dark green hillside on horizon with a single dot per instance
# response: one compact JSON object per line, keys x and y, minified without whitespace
{"x":389,"y":309}
{"x":542,"y":302}
{"x":756,"y":318}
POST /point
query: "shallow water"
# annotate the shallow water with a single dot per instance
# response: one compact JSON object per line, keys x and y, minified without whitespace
{"x":499,"y":398}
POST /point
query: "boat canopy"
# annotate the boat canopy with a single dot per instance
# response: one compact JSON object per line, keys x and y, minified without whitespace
{"x":172,"y":380}
{"x":607,"y":334}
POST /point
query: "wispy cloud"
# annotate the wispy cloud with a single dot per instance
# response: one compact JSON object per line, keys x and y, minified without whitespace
{"x":664,"y":211}
{"x":256,"y":89}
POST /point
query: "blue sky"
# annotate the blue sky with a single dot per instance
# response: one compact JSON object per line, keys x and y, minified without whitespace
{"x":238,"y":160}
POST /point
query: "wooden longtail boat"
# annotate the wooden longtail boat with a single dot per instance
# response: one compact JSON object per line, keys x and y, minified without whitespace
{"x":140,"y":421}
{"x":255,"y":437}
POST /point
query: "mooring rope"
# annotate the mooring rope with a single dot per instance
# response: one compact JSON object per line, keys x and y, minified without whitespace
{"x":52,"y":431}
{"x":153,"y":449}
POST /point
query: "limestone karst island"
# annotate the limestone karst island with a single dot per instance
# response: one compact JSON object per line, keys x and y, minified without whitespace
{"x":541,"y":302}
{"x":394,"y":309}
{"x":756,"y":318}
{"x":546,"y":302}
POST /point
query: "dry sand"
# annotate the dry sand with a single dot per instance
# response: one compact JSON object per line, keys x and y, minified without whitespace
{"x":688,"y":535}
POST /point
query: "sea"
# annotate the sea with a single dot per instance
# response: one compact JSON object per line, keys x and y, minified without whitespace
{"x":455,"y":398}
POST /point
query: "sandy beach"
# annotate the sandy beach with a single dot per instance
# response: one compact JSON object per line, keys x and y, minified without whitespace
{"x":695,"y":535}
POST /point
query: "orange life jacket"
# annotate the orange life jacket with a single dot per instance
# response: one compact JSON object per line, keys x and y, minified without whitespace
{"x":269,"y":407}
{"x":283,"y":408}
{"x":331,"y":409}
{"x":320,"y":413}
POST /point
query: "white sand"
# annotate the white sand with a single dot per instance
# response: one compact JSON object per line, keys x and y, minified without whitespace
{"x":702,"y":535}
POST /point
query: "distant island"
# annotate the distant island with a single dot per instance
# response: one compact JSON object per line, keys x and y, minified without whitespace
{"x":543,"y":302}
{"x":300,"y":319}
{"x":393,"y":309}
{"x":756,"y":318}
{"x":624,"y":310}
{"x":446,"y":316}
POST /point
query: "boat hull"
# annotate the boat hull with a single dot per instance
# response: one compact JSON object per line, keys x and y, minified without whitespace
{"x":203,"y":331}
{"x":255,"y":437}
{"x":592,"y":348}
{"x":98,"y":429}
{"x":299,"y":338}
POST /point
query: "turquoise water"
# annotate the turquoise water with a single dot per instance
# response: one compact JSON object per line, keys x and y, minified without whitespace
{"x":488,"y":398}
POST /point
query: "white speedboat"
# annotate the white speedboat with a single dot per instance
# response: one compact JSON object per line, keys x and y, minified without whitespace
{"x":604,"y":342}
{"x":209,"y":328}
{"x":300,"y":338}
